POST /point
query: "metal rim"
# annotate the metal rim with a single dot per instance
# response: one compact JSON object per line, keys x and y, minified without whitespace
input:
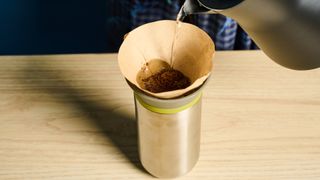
{"x":218,"y":4}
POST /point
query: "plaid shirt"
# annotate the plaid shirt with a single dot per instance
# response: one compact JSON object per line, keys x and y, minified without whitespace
{"x":225,"y":32}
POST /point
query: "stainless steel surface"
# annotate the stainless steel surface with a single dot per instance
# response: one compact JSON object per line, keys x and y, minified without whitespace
{"x":288,"y":31}
{"x":169,"y":144}
{"x":181,"y":15}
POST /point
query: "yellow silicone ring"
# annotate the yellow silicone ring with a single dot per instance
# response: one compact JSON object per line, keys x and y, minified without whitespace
{"x":169,"y":110}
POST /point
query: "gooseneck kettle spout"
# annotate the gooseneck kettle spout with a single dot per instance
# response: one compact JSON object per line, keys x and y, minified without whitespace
{"x":288,"y":31}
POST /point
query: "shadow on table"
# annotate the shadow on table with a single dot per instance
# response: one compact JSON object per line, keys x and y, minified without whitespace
{"x":120,"y":129}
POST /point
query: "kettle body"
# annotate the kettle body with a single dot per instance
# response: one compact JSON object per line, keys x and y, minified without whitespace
{"x":288,"y":31}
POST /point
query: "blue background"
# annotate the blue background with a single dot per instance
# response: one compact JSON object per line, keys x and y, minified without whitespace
{"x":62,"y":26}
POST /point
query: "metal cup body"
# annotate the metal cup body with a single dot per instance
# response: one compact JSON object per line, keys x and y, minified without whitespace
{"x":168,"y":133}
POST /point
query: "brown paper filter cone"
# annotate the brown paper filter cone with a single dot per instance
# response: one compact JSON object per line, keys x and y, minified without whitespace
{"x":185,"y":47}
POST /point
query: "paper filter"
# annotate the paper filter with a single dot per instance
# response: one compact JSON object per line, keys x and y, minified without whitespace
{"x":185,"y":47}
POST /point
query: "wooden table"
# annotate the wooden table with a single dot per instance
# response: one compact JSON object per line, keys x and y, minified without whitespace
{"x":72,"y":117}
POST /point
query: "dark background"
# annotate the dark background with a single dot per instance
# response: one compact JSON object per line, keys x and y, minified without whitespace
{"x":62,"y":26}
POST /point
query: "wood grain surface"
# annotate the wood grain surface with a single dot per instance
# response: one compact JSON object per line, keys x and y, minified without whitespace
{"x":72,"y":117}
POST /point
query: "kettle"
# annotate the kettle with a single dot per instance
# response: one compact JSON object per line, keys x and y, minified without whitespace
{"x":288,"y":31}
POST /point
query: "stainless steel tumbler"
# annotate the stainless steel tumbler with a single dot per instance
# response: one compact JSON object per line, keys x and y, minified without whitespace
{"x":169,"y":133}
{"x":168,"y":122}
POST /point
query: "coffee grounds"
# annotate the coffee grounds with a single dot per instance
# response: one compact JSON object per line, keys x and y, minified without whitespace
{"x":166,"y":80}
